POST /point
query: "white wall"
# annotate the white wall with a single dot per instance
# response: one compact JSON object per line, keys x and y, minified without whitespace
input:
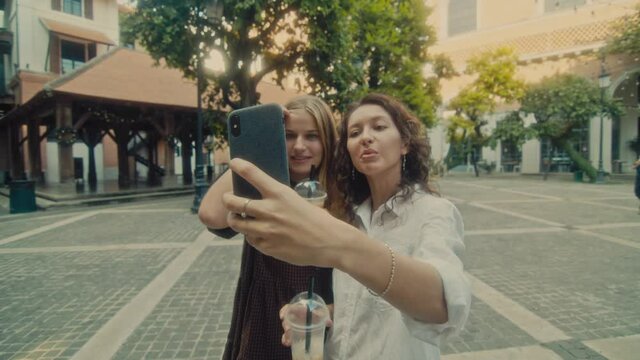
{"x":531,"y":157}
{"x":438,"y":141}
{"x":594,"y":143}
{"x":79,"y":150}
{"x":52,"y":174}
{"x":178,"y":163}
{"x":33,"y":39}
{"x":530,"y":152}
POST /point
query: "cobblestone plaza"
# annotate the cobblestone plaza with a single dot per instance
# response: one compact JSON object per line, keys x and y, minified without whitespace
{"x":555,"y":270}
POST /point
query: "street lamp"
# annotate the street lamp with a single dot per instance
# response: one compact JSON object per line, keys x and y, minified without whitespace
{"x":212,"y":10}
{"x":208,"y":144}
{"x":604,"y":80}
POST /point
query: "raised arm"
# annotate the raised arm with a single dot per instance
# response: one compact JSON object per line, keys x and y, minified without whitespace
{"x":285,"y":226}
{"x":212,"y":212}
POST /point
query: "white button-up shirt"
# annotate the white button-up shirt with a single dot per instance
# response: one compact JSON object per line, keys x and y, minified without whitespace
{"x":429,"y":229}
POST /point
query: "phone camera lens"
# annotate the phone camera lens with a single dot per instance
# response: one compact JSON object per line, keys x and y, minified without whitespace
{"x":235,"y":125}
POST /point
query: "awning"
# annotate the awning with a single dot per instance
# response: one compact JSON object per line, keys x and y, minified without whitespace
{"x":76,"y":31}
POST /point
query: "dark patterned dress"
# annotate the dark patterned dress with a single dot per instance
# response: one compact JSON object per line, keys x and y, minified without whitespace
{"x":265,"y":285}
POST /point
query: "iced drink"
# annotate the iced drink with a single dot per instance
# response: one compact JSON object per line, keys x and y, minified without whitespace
{"x":312,"y":191}
{"x":307,"y":319}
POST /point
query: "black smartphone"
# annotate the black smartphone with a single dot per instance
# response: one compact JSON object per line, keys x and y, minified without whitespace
{"x":256,"y":134}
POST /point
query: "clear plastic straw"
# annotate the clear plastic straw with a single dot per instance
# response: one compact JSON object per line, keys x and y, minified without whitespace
{"x":307,"y":339}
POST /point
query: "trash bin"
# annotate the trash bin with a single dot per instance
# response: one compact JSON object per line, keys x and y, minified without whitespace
{"x":577,"y":175}
{"x":22,"y":196}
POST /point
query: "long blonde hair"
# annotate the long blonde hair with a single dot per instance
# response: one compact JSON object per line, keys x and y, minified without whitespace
{"x":323,"y":117}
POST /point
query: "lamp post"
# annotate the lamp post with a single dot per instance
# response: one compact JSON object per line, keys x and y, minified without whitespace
{"x":212,"y":10}
{"x":208,"y":144}
{"x":604,"y":81}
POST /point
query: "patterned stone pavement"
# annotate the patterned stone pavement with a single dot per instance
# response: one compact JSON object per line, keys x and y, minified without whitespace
{"x":554,"y":267}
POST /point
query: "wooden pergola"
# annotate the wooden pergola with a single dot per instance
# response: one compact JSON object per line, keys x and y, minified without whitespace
{"x":121,"y":94}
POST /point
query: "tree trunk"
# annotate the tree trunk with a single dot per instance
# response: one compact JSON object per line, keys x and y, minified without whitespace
{"x":187,"y":174}
{"x":581,"y":163}
{"x":476,"y":149}
{"x":474,"y":158}
{"x":123,"y":136}
{"x":547,"y":164}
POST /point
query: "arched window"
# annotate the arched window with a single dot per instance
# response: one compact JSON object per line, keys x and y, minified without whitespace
{"x":462,"y":16}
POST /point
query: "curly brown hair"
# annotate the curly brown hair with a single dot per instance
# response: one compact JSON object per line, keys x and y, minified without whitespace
{"x":354,"y":186}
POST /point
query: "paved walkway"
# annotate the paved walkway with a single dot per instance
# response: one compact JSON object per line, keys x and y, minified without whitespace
{"x":554,"y":267}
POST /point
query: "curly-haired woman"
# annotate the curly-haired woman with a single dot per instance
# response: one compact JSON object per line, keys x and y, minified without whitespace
{"x":399,"y":285}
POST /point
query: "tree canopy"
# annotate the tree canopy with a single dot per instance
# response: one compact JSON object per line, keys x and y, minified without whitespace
{"x":386,"y":51}
{"x":344,"y":48}
{"x":512,"y":129}
{"x":563,"y":103}
{"x":626,"y":37}
{"x":243,"y":32}
{"x":495,"y":82}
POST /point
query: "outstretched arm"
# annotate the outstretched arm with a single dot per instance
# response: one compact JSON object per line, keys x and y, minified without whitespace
{"x":212,"y":212}
{"x":287,"y":227}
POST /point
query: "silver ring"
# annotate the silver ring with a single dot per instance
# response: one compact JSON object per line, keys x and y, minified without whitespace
{"x":243,"y":214}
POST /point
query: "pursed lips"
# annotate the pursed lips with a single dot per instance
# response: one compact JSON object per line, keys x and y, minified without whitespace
{"x":368,"y":153}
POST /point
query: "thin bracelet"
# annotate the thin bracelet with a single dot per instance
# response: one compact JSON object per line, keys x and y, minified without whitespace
{"x":391,"y":275}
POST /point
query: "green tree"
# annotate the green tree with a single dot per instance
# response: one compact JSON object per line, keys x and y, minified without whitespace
{"x":511,"y":129}
{"x":345,"y":48}
{"x":127,"y":22}
{"x":563,"y":103}
{"x":495,"y":82}
{"x":273,"y":32}
{"x":626,"y":37}
{"x":387,"y":45}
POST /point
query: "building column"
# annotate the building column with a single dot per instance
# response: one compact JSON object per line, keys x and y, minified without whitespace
{"x":92,"y":137}
{"x":35,"y":159}
{"x":187,"y":173}
{"x":64,"y":119}
{"x":153,"y":177}
{"x":169,"y":147}
{"x":16,"y":160}
{"x":123,"y":136}
{"x":5,"y":151}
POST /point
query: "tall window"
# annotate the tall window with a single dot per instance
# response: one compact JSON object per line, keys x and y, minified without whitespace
{"x":73,"y":7}
{"x":555,"y":5}
{"x":615,"y":139}
{"x":72,"y":55}
{"x":462,"y":16}
{"x":511,"y":155}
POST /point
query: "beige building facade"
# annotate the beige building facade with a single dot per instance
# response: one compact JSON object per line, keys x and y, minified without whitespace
{"x":550,"y":37}
{"x":64,"y":70}
{"x":41,"y":41}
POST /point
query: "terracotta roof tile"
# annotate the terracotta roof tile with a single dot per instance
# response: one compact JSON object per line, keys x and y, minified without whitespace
{"x":76,"y":31}
{"x":129,"y":75}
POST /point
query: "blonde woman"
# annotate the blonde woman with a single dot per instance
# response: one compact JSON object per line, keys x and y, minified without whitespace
{"x":265,"y":283}
{"x":399,"y":283}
